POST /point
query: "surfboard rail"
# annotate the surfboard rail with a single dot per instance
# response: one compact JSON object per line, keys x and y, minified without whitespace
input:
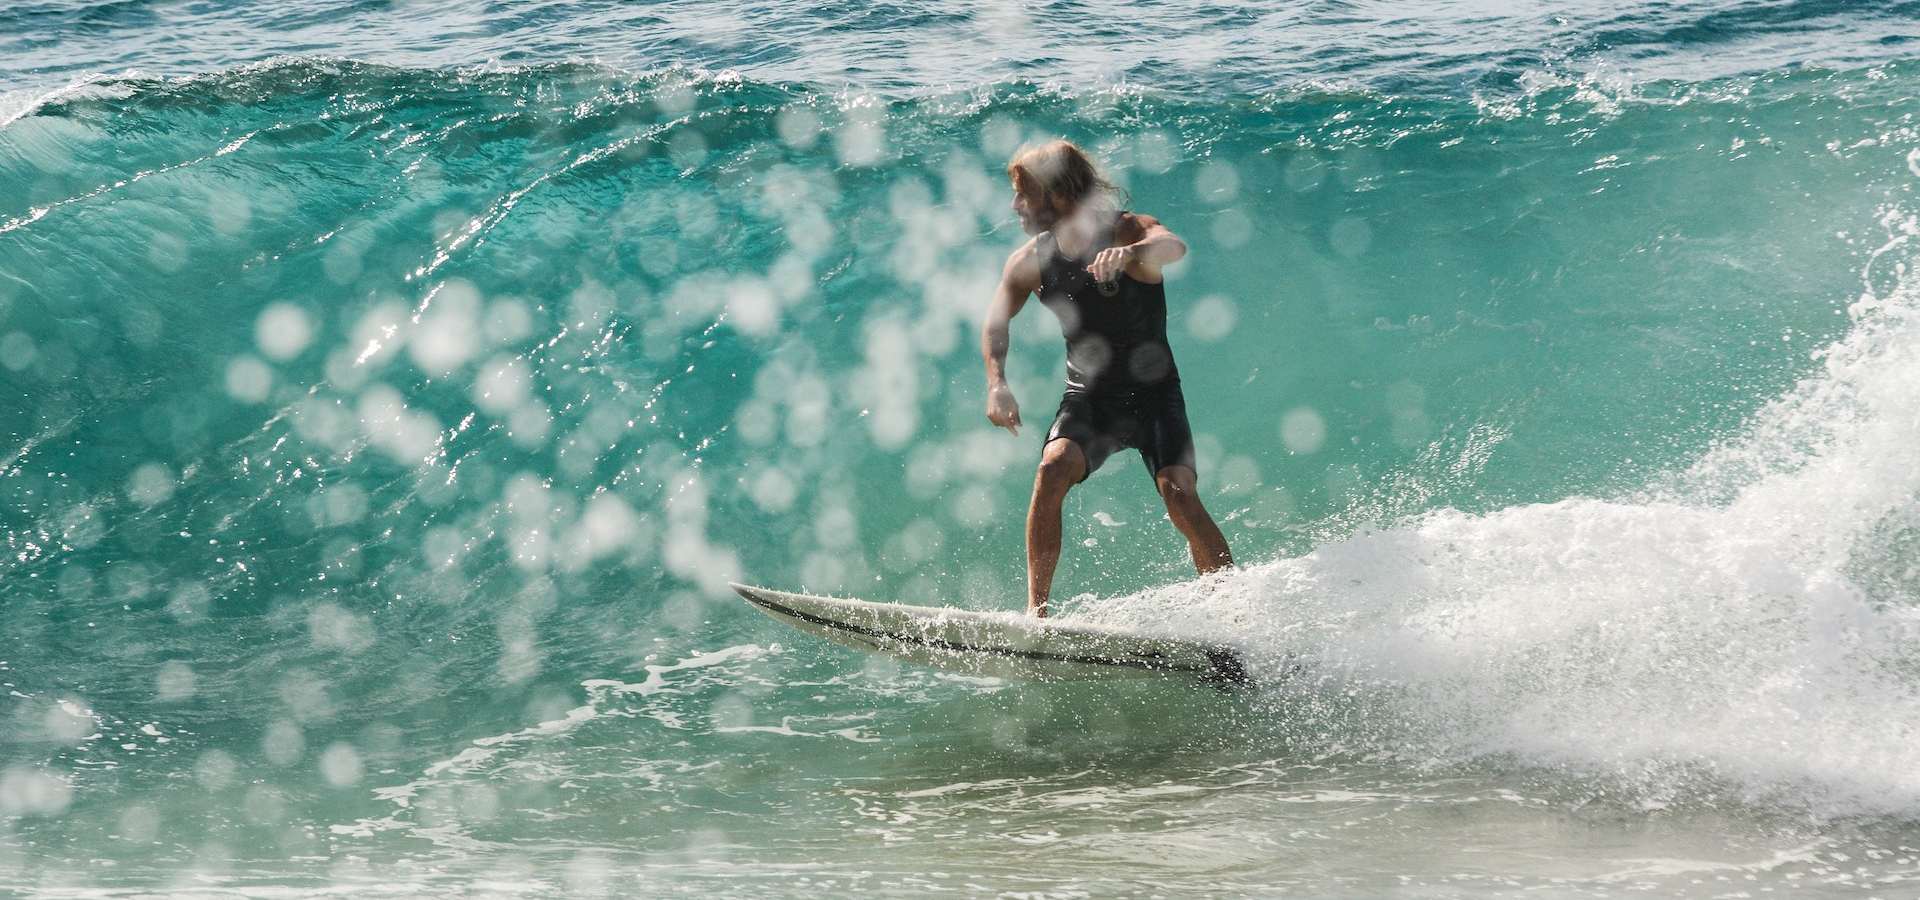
{"x":1000,"y":644}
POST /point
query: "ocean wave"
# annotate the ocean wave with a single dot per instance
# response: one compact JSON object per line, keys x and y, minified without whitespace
{"x":367,"y":411}
{"x":1196,"y":49}
{"x":1750,"y":630}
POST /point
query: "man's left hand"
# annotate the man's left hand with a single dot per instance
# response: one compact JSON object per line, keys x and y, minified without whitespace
{"x":1110,"y":263}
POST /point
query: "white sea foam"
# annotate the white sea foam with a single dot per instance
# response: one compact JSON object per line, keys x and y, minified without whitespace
{"x":1751,"y":622}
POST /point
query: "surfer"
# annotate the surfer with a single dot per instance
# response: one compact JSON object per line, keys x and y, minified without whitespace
{"x":1098,"y":268}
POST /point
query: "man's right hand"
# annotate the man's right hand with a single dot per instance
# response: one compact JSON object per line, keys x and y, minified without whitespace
{"x":1001,"y":408}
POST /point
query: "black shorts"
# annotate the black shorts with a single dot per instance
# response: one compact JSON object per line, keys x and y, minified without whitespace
{"x":1154,"y":422}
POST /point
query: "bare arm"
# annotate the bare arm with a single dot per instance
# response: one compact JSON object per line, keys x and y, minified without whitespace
{"x":1018,"y":281}
{"x":1148,"y":246}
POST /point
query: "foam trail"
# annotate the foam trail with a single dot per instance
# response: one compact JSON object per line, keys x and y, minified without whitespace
{"x":1752,"y":623}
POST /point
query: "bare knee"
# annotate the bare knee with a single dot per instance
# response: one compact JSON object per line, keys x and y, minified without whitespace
{"x":1062,"y":465}
{"x":1176,"y":484}
{"x":1181,"y":498}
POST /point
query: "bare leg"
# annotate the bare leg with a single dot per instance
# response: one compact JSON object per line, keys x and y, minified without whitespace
{"x":1062,"y":465}
{"x":1204,"y":540}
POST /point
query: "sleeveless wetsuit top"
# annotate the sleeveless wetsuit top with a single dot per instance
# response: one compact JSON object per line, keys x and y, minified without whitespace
{"x":1116,"y":331}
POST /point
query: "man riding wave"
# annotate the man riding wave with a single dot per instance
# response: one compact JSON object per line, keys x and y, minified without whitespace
{"x":1098,"y":269}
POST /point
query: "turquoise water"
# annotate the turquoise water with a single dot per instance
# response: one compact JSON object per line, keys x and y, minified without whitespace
{"x":380,"y":434}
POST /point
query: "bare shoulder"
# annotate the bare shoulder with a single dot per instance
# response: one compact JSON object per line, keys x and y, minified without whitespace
{"x":1028,"y":252}
{"x":1134,"y":226}
{"x":1023,"y":264}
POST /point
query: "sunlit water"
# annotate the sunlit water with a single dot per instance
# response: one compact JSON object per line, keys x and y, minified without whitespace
{"x":389,"y":390}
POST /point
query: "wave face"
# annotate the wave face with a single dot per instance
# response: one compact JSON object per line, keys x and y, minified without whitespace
{"x":379,"y":440}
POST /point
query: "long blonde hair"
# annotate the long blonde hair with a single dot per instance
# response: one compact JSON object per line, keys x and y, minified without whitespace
{"x":1061,"y":175}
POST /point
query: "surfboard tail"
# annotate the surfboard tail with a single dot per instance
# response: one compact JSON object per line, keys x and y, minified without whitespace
{"x":1227,"y":671}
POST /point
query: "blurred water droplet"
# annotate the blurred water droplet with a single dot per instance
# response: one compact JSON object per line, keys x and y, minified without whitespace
{"x":1304,"y":172}
{"x":449,"y":330}
{"x":1238,"y":475}
{"x":174,"y":682}
{"x":17,"y":351}
{"x":29,"y":791}
{"x":282,"y":331}
{"x":508,"y":321}
{"x":973,"y":507}
{"x":798,"y":126}
{"x":67,"y":721}
{"x":732,"y":710}
{"x":861,"y":139}
{"x":773,"y":491}
{"x":189,"y":601}
{"x":501,"y":385}
{"x":676,"y":98}
{"x":752,"y":308}
{"x":687,"y":149}
{"x":1350,"y":237}
{"x":1232,"y":229}
{"x":529,"y":424}
{"x":1155,"y":152}
{"x":167,"y":252}
{"x":1302,"y":430}
{"x":264,"y":804}
{"x":340,"y":764}
{"x":1217,"y":182}
{"x":139,"y":824}
{"x":230,"y":212}
{"x":1212,"y":318}
{"x":283,"y":744}
{"x":331,"y":628}
{"x":1000,"y":137}
{"x":249,"y":380}
{"x":214,"y":770}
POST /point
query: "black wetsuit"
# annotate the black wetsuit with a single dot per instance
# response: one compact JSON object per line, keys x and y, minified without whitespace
{"x":1122,"y":387}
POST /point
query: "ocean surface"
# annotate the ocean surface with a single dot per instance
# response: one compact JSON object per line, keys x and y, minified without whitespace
{"x":389,"y":389}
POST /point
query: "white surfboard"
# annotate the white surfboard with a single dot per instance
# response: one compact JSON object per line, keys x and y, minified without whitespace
{"x":1002,"y":644}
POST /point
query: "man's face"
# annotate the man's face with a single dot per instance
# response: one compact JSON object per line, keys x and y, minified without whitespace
{"x":1035,"y":214}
